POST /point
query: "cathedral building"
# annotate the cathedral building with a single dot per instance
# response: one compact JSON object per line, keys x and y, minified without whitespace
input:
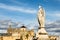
{"x":18,"y":34}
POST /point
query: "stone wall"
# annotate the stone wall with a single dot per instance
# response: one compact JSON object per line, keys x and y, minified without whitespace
{"x":9,"y":38}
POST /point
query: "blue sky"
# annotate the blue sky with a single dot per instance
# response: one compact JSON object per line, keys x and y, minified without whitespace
{"x":25,"y":11}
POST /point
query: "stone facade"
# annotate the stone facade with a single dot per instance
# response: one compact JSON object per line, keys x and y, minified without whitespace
{"x":18,"y":33}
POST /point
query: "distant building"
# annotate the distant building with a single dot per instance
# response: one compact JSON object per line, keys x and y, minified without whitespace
{"x":17,"y":34}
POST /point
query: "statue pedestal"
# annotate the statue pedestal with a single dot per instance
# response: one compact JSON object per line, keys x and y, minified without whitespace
{"x":42,"y":34}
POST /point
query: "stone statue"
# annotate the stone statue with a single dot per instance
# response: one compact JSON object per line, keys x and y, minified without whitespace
{"x":41,"y":17}
{"x":41,"y":34}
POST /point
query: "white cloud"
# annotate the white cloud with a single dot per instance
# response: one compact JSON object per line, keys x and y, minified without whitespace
{"x":48,"y":21}
{"x":52,"y":29}
{"x":57,"y":13}
{"x":16,"y":8}
{"x":14,"y":19}
{"x":3,"y":31}
{"x":3,"y":17}
{"x":54,"y":33}
{"x":54,"y":14}
{"x":19,"y":3}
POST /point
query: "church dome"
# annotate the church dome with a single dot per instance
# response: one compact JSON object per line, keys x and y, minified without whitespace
{"x":23,"y":27}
